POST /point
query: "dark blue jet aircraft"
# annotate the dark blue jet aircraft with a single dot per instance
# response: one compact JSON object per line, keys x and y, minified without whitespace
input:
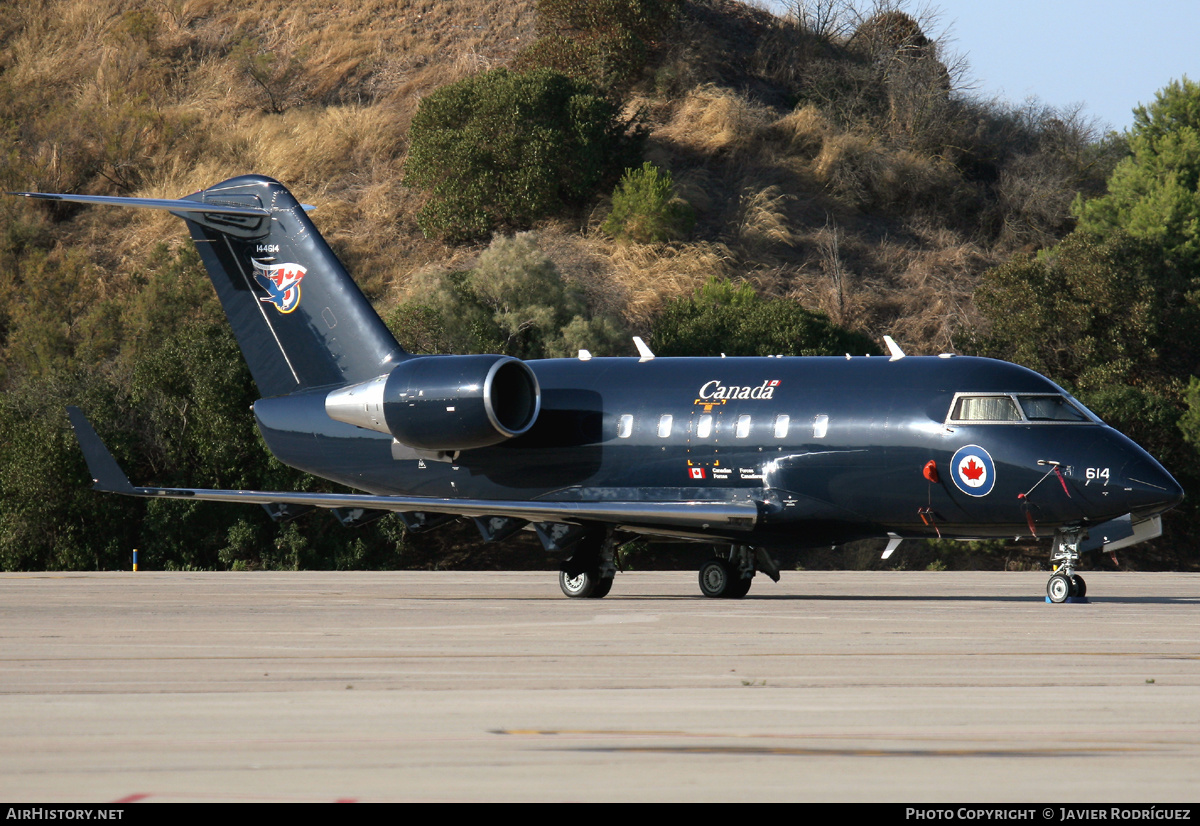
{"x":749,"y":453}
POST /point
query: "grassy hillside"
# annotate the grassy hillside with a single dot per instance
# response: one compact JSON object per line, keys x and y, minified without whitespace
{"x":807,"y":179}
{"x":161,"y":98}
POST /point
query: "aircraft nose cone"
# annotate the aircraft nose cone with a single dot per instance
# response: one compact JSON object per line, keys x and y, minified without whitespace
{"x":1149,"y":487}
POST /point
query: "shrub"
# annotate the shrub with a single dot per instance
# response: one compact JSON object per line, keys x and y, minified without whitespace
{"x":502,"y":149}
{"x":514,"y":301}
{"x":736,"y":321}
{"x":605,"y":41}
{"x":1109,"y":317}
{"x":646,"y":208}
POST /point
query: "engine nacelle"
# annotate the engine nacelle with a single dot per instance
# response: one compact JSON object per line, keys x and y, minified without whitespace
{"x":444,"y":403}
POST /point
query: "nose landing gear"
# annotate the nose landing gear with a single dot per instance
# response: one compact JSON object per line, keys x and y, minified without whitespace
{"x":1065,"y":583}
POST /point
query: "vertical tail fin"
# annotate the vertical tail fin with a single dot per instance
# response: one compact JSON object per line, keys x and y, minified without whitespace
{"x":299,"y":318}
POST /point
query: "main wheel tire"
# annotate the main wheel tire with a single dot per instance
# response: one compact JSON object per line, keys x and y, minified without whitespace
{"x":603,"y":586}
{"x":738,"y":587}
{"x":582,"y":585}
{"x":716,"y":578}
{"x":1080,"y":586}
{"x":1058,"y":588}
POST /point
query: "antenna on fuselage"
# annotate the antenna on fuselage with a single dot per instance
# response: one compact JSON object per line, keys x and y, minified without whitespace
{"x":643,"y":351}
{"x":893,"y":348}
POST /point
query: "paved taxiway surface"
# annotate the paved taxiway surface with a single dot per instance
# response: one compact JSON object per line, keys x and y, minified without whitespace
{"x":906,"y":687}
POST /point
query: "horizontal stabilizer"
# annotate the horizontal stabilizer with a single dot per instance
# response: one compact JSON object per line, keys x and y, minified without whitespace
{"x":171,"y":204}
{"x":684,"y":518}
{"x":300,"y":320}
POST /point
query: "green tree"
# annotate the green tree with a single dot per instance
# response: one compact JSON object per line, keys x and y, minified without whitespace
{"x":608,"y":42}
{"x":646,"y":208}
{"x":514,"y":301}
{"x":159,"y":375}
{"x":1155,"y":192}
{"x":1095,"y":311}
{"x":502,"y":149}
{"x":1109,"y":317}
{"x":50,"y":519}
{"x":733,"y":319}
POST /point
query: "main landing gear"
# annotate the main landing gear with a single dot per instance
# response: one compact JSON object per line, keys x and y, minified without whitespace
{"x":1064,"y":554}
{"x":589,"y":572}
{"x":584,"y":584}
{"x":729,"y":577}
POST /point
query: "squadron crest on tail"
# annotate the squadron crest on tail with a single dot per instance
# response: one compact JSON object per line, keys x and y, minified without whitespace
{"x":282,"y":283}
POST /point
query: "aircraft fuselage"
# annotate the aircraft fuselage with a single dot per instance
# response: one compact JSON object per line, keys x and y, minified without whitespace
{"x":839,"y":445}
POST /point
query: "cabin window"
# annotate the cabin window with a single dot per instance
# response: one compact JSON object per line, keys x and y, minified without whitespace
{"x":1050,"y":409}
{"x":781,"y":425}
{"x":742,"y":429}
{"x":704,"y":426}
{"x":820,"y":426}
{"x":986,"y":409}
{"x":625,"y":426}
{"x":664,"y":425}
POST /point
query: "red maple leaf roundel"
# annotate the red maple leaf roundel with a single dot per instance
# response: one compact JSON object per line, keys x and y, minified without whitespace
{"x":972,"y":471}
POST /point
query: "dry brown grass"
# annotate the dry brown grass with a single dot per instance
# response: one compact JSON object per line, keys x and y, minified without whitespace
{"x":158,"y":98}
{"x":848,"y":166}
{"x":717,"y":121}
{"x":798,"y":204}
{"x":653,"y":273}
{"x":161,"y":97}
{"x":763,"y":220}
{"x":803,"y":132}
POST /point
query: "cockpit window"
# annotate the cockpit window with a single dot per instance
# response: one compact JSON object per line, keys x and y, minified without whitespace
{"x":1050,"y":409}
{"x":998,"y":408}
{"x":1088,"y":414}
{"x":986,"y":409}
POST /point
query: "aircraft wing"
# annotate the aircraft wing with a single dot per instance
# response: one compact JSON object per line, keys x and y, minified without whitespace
{"x":684,"y":518}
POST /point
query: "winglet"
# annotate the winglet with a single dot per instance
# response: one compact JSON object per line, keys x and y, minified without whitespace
{"x":106,"y":473}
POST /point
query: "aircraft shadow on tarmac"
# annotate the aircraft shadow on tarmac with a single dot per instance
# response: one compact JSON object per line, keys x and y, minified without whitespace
{"x":1108,"y":600}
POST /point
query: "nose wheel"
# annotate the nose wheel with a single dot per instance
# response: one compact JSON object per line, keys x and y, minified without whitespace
{"x":1061,"y":587}
{"x":1058,"y":588}
{"x":1065,"y":584}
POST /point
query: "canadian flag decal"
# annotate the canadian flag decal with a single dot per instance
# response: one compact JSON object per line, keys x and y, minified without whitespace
{"x":697,"y":472}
